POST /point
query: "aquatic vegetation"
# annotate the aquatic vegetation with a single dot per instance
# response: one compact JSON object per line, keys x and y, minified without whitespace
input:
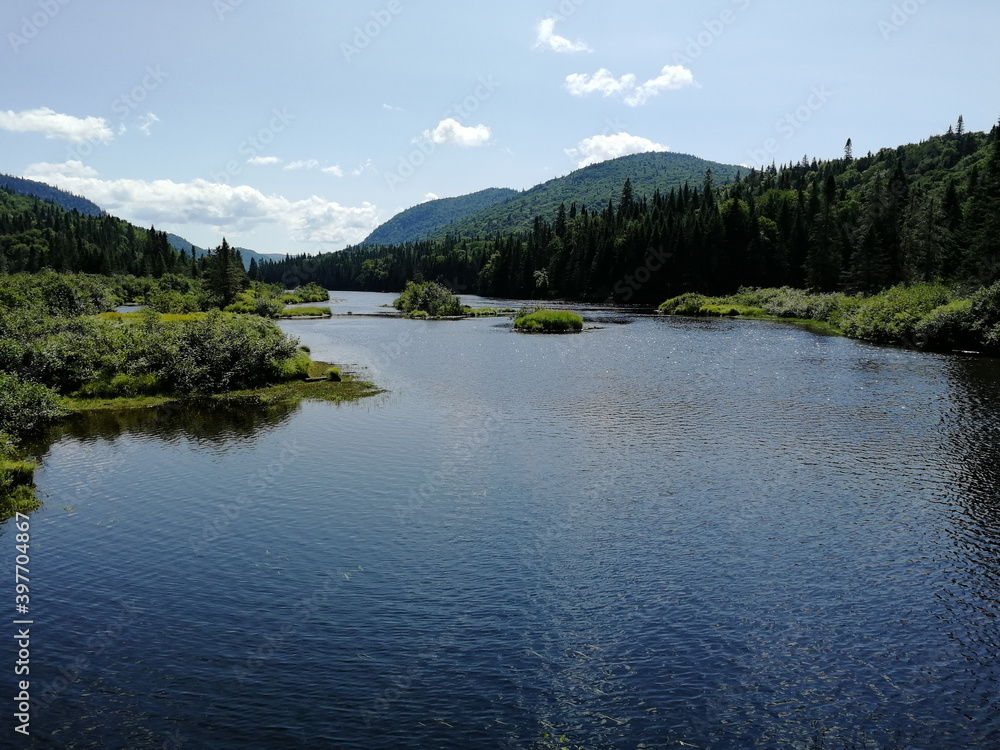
{"x":549,"y":321}
{"x":429,"y":297}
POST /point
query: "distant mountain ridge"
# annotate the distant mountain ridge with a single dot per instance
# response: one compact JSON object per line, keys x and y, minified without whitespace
{"x":179,"y":243}
{"x":44,"y":192}
{"x":511,"y":211}
{"x":426,"y":219}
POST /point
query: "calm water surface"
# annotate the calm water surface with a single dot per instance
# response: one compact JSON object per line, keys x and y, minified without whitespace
{"x":724,"y":534}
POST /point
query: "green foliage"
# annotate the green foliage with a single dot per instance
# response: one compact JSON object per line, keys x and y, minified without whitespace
{"x":418,"y":315}
{"x":892,"y":317}
{"x":430,"y":298}
{"x":306,"y":312}
{"x":25,"y":405}
{"x":689,"y":303}
{"x":333,"y":374}
{"x":311,"y":292}
{"x":18,"y":499}
{"x":296,"y":367}
{"x":549,"y":321}
{"x":985,"y":311}
{"x":948,"y":327}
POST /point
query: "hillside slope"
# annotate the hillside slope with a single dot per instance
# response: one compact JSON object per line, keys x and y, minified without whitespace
{"x":45,"y":192}
{"x":427,"y":219}
{"x":592,"y":187}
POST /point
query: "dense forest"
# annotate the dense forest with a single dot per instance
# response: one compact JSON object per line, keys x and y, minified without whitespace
{"x":916,"y":213}
{"x":36,"y":234}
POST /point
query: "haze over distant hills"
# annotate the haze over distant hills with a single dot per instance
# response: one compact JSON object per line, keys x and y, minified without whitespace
{"x":501,"y":210}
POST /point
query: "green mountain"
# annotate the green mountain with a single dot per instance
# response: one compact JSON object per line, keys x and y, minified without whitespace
{"x":45,"y":192}
{"x":427,"y":219}
{"x":591,"y":187}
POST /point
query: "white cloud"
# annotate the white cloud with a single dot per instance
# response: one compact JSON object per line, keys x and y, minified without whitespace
{"x":304,"y":164}
{"x":55,"y":125}
{"x":431,"y":197}
{"x":225,"y":208}
{"x":72,"y":168}
{"x":672,"y":77}
{"x":392,"y":108}
{"x":259,"y":161}
{"x":335,"y":170}
{"x":548,"y":39}
{"x":603,"y":147}
{"x":146,"y":123}
{"x":453,"y":132}
{"x":581,"y":84}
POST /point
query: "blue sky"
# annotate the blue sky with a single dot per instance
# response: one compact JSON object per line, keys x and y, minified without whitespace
{"x":299,"y":126}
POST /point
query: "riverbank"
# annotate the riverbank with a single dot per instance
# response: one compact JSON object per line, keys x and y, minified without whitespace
{"x":929,"y":317}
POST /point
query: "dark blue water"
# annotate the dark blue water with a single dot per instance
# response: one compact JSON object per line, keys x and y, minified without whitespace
{"x":724,"y":534}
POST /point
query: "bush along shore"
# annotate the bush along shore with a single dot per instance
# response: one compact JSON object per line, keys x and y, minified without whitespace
{"x":63,"y":350}
{"x":930,"y":317}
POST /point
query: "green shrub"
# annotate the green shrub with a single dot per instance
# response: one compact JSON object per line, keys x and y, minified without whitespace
{"x":686,"y":304}
{"x":19,"y":499}
{"x":892,"y":316}
{"x":417,"y":314}
{"x":25,"y":406}
{"x":296,"y":367}
{"x":122,"y":386}
{"x":305,"y":312}
{"x":429,"y":297}
{"x":948,"y":327}
{"x":334,"y":375}
{"x":985,"y":311}
{"x":549,"y":321}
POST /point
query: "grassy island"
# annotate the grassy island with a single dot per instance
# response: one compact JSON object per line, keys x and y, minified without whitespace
{"x":549,"y":321}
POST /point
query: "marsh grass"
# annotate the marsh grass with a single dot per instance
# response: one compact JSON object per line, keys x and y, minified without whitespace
{"x":549,"y":321}
{"x":306,"y":312}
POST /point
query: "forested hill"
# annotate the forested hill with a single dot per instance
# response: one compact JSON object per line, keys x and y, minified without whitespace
{"x":915,"y":213}
{"x":61,"y":198}
{"x":36,"y":234}
{"x":427,"y":219}
{"x":591,"y":187}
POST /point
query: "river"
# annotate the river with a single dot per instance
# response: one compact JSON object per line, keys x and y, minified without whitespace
{"x":726,"y":534}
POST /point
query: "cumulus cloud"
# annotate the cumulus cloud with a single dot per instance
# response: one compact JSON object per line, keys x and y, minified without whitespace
{"x":581,"y":84}
{"x":56,"y":125}
{"x":451,"y":131}
{"x":260,"y":161}
{"x":335,"y":170}
{"x":431,"y":197}
{"x":671,"y":78}
{"x":600,"y":148}
{"x":304,"y":164}
{"x":225,"y":208}
{"x":548,"y":39}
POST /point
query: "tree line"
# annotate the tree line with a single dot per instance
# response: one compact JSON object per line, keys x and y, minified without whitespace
{"x":913,"y":214}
